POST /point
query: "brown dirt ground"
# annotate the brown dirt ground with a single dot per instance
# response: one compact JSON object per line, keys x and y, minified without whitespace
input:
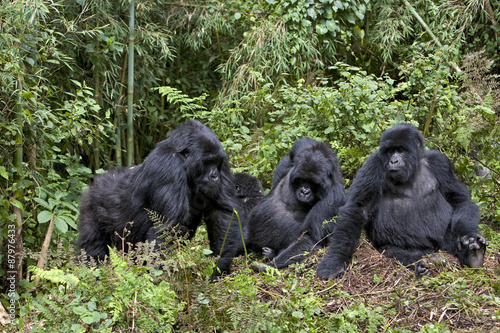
{"x":377,"y":280}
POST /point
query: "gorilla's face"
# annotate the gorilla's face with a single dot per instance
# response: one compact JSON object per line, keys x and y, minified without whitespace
{"x":203,"y":161}
{"x":398,"y":169}
{"x":310,"y":177}
{"x":205,"y":174}
{"x":401,"y":148}
{"x":305,"y":190}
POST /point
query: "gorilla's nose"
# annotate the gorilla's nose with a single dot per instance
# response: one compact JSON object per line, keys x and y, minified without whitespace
{"x":214,"y":176}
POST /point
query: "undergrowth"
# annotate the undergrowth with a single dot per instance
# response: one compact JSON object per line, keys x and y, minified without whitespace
{"x":147,"y":291}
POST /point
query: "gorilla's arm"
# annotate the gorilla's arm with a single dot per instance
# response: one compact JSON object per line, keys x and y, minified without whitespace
{"x":465,"y":216}
{"x":323,"y":211}
{"x":217,"y":221}
{"x":294,"y":253}
{"x":217,"y":218}
{"x":462,"y":238}
{"x":281,"y":170}
{"x":363,"y":196}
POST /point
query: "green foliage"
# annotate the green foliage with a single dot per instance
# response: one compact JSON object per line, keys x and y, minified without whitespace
{"x":185,"y":105}
{"x":56,"y":276}
{"x":261,"y":74}
{"x":323,"y":17}
{"x":104,"y":299}
{"x":155,"y":306}
{"x":290,"y":40}
{"x":358,"y":316}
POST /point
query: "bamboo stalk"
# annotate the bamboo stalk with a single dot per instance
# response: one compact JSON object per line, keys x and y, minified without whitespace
{"x":130,"y":95}
{"x":429,"y":31}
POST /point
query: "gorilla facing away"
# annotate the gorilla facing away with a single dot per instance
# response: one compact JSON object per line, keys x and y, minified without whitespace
{"x":184,"y":179}
{"x":308,"y":190}
{"x":249,"y":191}
{"x":410,"y":204}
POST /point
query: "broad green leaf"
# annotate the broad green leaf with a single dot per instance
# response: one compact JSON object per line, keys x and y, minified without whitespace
{"x":3,"y":172}
{"x":331,"y":25}
{"x":60,"y":224}
{"x":321,"y":30}
{"x":44,"y":216}
{"x":16,"y":203}
{"x":79,"y":310}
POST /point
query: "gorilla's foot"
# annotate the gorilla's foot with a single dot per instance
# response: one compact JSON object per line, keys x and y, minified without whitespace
{"x":259,"y":267}
{"x":476,"y":245}
{"x":422,"y":268}
{"x":268,"y":252}
{"x":327,"y":274}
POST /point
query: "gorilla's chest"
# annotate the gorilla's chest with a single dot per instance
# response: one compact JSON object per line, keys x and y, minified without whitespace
{"x":412,"y":211}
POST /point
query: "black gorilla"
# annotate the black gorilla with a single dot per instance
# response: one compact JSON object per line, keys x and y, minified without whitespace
{"x":410,"y":203}
{"x":287,"y":162}
{"x":308,"y":190}
{"x":184,"y":179}
{"x":249,"y":191}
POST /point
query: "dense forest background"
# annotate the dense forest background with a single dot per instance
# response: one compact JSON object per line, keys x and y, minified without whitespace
{"x":260,"y":74}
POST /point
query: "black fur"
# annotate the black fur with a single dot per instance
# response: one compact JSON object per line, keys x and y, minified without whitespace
{"x":410,"y":203}
{"x":184,"y":179}
{"x":249,"y":191}
{"x":287,"y":162}
{"x":308,"y":190}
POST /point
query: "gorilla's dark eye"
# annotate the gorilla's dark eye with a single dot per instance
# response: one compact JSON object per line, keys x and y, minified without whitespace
{"x":393,"y":150}
{"x":185,"y":153}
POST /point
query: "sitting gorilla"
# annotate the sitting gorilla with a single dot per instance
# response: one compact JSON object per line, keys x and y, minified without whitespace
{"x":184,"y":179}
{"x":308,"y":190}
{"x":286,"y":163}
{"x":410,"y":203}
{"x":249,"y":191}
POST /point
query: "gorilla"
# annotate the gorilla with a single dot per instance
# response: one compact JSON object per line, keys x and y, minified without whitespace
{"x":286,"y":163}
{"x":410,"y":204}
{"x":185,"y":179}
{"x":249,"y":191}
{"x":308,"y":190}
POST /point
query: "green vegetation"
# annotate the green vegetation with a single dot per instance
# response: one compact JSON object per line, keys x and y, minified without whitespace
{"x":261,"y":74}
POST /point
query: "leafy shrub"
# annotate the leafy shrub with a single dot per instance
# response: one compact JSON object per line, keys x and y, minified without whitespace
{"x":109,"y":298}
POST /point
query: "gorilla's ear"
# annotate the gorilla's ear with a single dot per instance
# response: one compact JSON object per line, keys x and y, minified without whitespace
{"x":418,"y":143}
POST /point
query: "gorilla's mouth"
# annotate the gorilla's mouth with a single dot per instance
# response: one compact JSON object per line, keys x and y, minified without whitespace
{"x":396,"y":173}
{"x":210,"y":189}
{"x":394,"y":168}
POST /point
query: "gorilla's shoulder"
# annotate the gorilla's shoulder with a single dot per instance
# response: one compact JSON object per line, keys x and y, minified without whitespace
{"x":437,"y":161}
